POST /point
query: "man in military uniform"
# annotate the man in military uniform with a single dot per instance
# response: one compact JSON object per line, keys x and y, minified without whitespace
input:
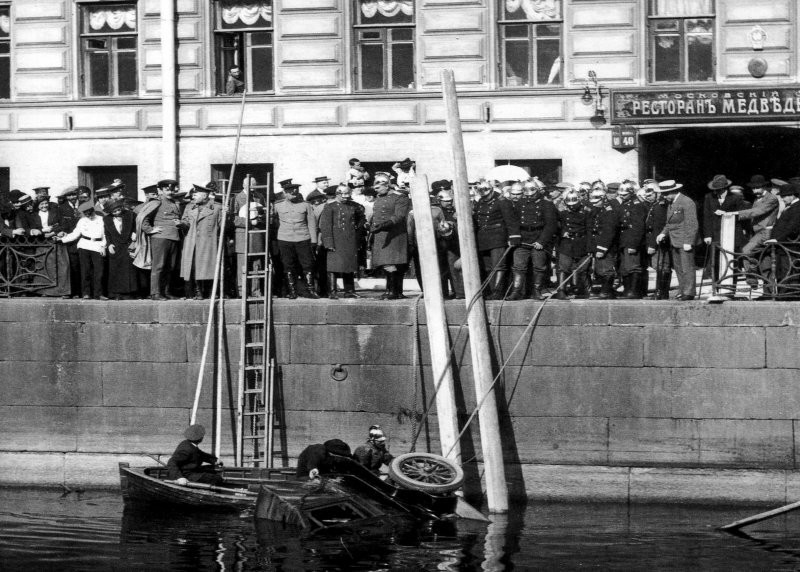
{"x":162,"y":224}
{"x":659,"y":255}
{"x":602,"y":240}
{"x":573,"y":222}
{"x":297,"y":239}
{"x":341,"y":226}
{"x":496,"y":226}
{"x":538,"y":224}
{"x":632,"y":214}
{"x":390,"y":235}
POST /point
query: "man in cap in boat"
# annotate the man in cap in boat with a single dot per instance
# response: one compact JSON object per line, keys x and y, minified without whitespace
{"x":319,"y":459}
{"x":189,"y":463}
{"x":374,"y":453}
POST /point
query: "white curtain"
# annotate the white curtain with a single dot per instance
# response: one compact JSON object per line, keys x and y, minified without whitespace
{"x":536,"y":10}
{"x":5,"y":24}
{"x":115,"y":18}
{"x":246,"y":12}
{"x":684,"y":7}
{"x":387,"y":8}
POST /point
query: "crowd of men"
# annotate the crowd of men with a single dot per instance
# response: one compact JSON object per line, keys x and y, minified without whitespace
{"x":533,"y":240}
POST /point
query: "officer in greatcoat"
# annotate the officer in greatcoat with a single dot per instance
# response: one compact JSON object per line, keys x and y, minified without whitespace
{"x":632,"y":214}
{"x":602,"y":240}
{"x":390,"y":235}
{"x":201,"y":222}
{"x":538,"y":224}
{"x":341,"y":227}
{"x":496,"y":227}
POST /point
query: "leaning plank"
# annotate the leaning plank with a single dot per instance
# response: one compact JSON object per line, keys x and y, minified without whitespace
{"x":761,"y":516}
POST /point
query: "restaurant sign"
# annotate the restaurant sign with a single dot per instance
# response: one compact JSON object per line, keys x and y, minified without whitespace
{"x":705,"y":105}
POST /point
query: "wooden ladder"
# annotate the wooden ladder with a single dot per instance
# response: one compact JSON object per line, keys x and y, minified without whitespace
{"x":257,"y":418}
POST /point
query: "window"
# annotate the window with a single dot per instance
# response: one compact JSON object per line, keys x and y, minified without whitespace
{"x":108,"y":49}
{"x":384,"y":32}
{"x":96,"y":177}
{"x":682,"y":40}
{"x":243,"y":39}
{"x":530,"y":42}
{"x":259,"y":171}
{"x":548,"y":170}
{"x":5,"y":52}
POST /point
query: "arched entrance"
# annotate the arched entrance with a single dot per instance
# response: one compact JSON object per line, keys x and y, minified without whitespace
{"x":693,"y":155}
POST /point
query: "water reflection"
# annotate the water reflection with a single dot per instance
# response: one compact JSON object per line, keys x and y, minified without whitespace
{"x":93,"y":531}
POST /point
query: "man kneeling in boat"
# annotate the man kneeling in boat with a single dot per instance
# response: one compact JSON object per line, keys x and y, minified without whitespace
{"x":374,"y":453}
{"x":186,"y":463}
{"x":319,"y":459}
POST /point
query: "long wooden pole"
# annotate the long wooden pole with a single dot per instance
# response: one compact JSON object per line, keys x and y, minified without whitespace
{"x":212,"y":299}
{"x":496,"y":489}
{"x":761,"y":516}
{"x":436,"y":320}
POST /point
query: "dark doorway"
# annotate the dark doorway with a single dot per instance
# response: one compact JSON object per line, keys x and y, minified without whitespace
{"x":693,"y":156}
{"x":96,"y":177}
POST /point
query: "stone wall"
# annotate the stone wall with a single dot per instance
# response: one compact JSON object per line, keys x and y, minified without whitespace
{"x":616,"y":398}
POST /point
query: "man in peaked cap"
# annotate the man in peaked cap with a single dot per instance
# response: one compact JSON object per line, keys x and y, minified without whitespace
{"x":202,"y":222}
{"x":390,"y":235}
{"x":680,"y":229}
{"x":163,"y":223}
{"x":189,"y":464}
{"x":297,"y":239}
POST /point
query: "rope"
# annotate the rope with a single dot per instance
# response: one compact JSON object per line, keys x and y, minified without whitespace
{"x":530,"y":326}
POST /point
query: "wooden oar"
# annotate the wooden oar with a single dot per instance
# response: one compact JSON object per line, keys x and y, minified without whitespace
{"x":760,"y":516}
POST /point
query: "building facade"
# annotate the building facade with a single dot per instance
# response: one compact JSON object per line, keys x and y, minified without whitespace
{"x":88,"y":92}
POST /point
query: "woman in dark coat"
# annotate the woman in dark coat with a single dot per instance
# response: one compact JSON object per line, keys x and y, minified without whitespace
{"x":341,"y":226}
{"x":123,"y":279}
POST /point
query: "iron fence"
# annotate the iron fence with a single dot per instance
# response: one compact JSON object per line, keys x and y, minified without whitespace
{"x":771,"y":272}
{"x":33,"y":265}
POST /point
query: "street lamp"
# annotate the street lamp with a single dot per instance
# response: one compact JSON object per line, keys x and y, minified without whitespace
{"x":593,"y":93}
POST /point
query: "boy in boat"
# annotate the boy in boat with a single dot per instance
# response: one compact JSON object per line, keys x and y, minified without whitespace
{"x":186,"y":463}
{"x":374,"y":453}
{"x":322,"y":458}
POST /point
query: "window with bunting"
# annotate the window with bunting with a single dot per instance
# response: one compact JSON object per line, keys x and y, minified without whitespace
{"x":681,"y":40}
{"x":109,"y":49}
{"x":530,"y":43}
{"x":384,"y":42}
{"x":243,"y":42}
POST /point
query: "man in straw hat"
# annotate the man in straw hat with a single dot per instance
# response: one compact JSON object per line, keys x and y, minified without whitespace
{"x":189,"y":464}
{"x":680,"y":229}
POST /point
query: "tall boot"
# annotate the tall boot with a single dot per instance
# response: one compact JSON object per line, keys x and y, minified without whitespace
{"x":626,"y":286}
{"x":634,"y":280}
{"x":498,"y":286}
{"x":188,"y":288}
{"x":389,"y":292}
{"x":333,"y":291}
{"x":291,"y":286}
{"x":349,"y":281}
{"x":517,"y":285}
{"x":581,"y":291}
{"x":538,"y":284}
{"x":312,"y":293}
{"x":607,"y":289}
{"x":560,"y":293}
{"x":398,"y":285}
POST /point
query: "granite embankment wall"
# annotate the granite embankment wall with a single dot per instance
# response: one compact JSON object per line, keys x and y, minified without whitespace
{"x":607,"y":400}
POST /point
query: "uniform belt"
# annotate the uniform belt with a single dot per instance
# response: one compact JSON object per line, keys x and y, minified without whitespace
{"x":530,"y":227}
{"x":90,"y":238}
{"x":488,"y":226}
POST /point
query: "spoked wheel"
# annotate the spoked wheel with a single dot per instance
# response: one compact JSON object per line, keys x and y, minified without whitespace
{"x":426,"y":472}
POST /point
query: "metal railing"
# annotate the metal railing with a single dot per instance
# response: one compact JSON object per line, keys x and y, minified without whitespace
{"x":32,"y":265}
{"x":771,"y":272}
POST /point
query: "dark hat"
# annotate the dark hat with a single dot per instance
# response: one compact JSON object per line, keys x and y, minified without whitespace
{"x":111,"y":206}
{"x":613,"y":186}
{"x":86,"y":207}
{"x":38,"y":190}
{"x":789,"y":189}
{"x":42,"y":199}
{"x":440,"y":185}
{"x":83,"y":189}
{"x":337,"y":447}
{"x":15,"y":195}
{"x":285,"y":182}
{"x":116,"y":186}
{"x":102,"y":192}
{"x":201,"y":189}
{"x":212,"y":185}
{"x":757,"y":181}
{"x":315,"y":195}
{"x":330,"y":191}
{"x":166,"y":182}
{"x":71,"y":190}
{"x":719,"y":182}
{"x":320,"y":179}
{"x":406,"y":163}
{"x":195,"y":432}
{"x":368,"y":192}
{"x":150,"y":189}
{"x":291,"y":187}
{"x":25,"y":200}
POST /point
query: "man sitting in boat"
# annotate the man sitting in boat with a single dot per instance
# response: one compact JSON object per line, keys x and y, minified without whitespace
{"x":186,"y":463}
{"x":316,"y":460}
{"x":374,"y":453}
